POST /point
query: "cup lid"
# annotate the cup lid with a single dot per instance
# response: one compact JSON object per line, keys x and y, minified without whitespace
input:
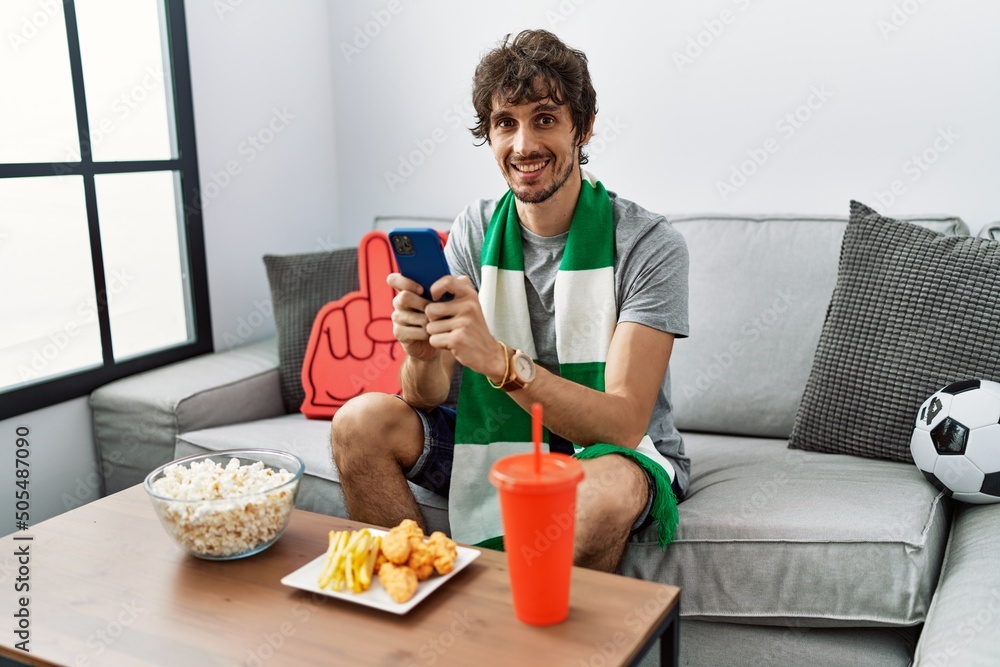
{"x":517,"y":473}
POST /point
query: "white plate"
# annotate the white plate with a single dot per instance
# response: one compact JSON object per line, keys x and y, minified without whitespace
{"x":306,"y":578}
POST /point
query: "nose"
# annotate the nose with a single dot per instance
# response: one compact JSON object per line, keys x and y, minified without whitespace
{"x":525,"y":141}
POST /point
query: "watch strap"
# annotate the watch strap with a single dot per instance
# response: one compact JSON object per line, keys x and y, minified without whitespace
{"x":513,"y":381}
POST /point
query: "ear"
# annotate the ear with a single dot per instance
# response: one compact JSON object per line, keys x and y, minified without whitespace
{"x":587,"y":135}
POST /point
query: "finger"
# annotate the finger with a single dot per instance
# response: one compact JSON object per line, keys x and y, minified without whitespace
{"x":407,"y":301}
{"x":408,"y":334}
{"x":400,"y":282}
{"x":442,"y":341}
{"x":462,"y":305}
{"x":380,"y":331}
{"x":440,"y":326}
{"x":335,"y":325}
{"x":457,"y":286}
{"x":374,"y":263}
{"x":406,"y":321}
{"x":358,"y":316}
{"x":409,"y":318}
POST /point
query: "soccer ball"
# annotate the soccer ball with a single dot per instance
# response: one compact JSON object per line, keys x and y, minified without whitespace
{"x":956,"y":442}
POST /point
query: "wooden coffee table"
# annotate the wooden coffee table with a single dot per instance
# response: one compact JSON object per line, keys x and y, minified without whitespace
{"x":108,"y":587}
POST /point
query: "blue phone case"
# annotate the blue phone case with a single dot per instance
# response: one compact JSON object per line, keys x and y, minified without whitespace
{"x":420,"y":257}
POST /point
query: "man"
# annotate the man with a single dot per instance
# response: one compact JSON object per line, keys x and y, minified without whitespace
{"x":556,"y":279}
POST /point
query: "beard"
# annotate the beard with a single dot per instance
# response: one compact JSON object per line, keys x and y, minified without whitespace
{"x":538,"y":198}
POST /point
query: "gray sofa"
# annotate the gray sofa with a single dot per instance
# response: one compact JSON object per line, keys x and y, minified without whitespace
{"x":785,"y":557}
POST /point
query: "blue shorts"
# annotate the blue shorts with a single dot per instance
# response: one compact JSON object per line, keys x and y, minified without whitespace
{"x":432,"y":470}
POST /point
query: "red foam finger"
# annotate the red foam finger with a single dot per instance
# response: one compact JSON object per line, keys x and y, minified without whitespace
{"x":375,"y":262}
{"x":380,"y":331}
{"x":335,"y":327}
{"x":358,"y":318}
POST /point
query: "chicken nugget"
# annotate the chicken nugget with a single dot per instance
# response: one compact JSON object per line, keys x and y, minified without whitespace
{"x":444,"y":551}
{"x":380,"y":560}
{"x":399,"y":581}
{"x":396,"y":546}
{"x":410,"y":527}
{"x":421,"y":560}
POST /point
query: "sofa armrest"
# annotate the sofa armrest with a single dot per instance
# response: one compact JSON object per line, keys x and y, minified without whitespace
{"x":963,"y":622}
{"x":137,"y":419}
{"x":990,"y":231}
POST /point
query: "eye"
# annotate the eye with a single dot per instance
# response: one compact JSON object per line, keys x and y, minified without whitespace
{"x":505,"y":122}
{"x":546,"y":120}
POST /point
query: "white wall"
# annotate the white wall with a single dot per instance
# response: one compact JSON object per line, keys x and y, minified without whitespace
{"x":261,"y":74}
{"x":674,"y":131}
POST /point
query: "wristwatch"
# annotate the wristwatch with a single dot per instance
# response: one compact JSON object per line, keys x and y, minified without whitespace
{"x":521,"y":373}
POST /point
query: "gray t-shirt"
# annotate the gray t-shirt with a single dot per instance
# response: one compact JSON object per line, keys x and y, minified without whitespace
{"x":651,"y":288}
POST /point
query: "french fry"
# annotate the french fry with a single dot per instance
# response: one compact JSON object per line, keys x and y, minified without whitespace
{"x":368,"y":567}
{"x":350,"y":560}
{"x":349,"y":570}
{"x":327,"y":574}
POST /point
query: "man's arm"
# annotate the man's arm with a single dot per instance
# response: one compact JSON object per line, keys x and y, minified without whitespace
{"x":426,"y":383}
{"x":637,"y":361}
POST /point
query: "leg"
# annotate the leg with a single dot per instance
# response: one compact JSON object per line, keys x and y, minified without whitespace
{"x":613,"y":493}
{"x":374,"y":438}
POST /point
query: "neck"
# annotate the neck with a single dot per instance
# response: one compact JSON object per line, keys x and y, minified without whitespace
{"x":554,"y":215}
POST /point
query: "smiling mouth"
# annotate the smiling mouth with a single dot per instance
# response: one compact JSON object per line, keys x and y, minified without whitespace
{"x":529,"y":167}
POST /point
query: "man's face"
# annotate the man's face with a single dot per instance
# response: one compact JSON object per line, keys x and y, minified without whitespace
{"x":535,"y":145}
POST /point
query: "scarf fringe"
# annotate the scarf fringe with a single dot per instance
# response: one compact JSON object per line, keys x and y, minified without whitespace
{"x":492,"y":543}
{"x":664,"y":508}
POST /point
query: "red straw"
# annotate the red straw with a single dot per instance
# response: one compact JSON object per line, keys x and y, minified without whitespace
{"x":536,"y":435}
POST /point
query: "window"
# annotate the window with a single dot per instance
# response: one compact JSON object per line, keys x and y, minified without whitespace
{"x":101,"y":248}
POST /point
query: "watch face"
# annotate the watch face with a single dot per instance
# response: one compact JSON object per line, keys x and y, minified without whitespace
{"x":524,"y":367}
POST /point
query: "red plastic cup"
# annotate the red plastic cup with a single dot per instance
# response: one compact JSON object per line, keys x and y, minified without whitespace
{"x":538,"y":510}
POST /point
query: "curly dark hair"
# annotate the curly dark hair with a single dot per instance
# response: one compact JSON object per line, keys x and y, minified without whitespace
{"x":535,"y":66}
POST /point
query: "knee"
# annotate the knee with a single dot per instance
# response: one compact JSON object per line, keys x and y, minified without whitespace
{"x":611,"y":496}
{"x":375,"y":429}
{"x":361,"y":424}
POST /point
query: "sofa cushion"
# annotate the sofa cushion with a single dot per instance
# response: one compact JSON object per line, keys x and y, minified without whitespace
{"x":770,"y":535}
{"x":913,"y":311}
{"x":308,"y":439}
{"x":759,"y":288}
{"x":300,"y":286}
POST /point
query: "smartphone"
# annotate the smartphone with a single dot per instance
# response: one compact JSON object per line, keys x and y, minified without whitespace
{"x":420,"y":257}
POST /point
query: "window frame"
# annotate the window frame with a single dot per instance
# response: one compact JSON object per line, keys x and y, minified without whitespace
{"x":22,"y":399}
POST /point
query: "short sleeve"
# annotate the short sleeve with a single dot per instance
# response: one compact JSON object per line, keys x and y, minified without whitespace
{"x":655,"y":281}
{"x":465,"y":241}
{"x":456,"y":250}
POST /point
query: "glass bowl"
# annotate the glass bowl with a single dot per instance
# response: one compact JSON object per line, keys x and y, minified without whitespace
{"x":221,"y":510}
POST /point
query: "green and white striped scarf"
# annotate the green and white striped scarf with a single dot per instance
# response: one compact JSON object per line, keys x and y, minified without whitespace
{"x":490,"y":425}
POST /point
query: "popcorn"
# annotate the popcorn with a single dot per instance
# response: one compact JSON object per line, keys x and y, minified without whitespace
{"x":240,"y":513}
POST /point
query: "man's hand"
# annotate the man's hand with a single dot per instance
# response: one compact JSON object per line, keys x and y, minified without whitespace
{"x":409,"y":321}
{"x":459,"y":326}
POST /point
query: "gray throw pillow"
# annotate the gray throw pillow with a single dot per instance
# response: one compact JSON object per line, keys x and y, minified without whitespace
{"x":912,"y":311}
{"x":300,"y":286}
